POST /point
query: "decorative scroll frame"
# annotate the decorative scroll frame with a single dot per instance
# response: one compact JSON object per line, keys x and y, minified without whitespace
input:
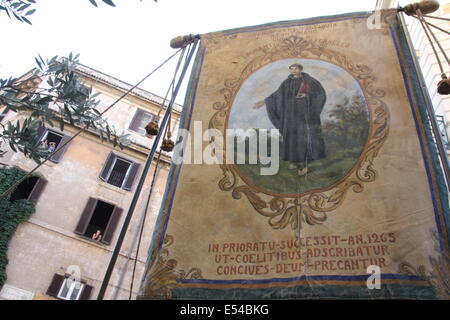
{"x":438,"y":277}
{"x":163,"y":275}
{"x":310,"y":207}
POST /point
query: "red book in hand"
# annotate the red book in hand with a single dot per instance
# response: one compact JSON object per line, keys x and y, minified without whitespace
{"x":304,"y":89}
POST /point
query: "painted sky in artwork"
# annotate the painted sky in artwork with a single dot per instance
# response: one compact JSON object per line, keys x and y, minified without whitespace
{"x":338,"y":83}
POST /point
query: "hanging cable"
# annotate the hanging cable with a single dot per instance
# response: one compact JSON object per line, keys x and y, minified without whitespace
{"x":141,"y":181}
{"x":83,"y":129}
{"x":434,"y":26}
{"x":434,"y":37}
{"x":168,"y":144}
{"x":155,"y":173}
{"x":428,"y":105}
{"x":434,"y":17}
{"x":152,"y":128}
{"x":171,"y":88}
{"x":443,"y":86}
{"x":431,"y":42}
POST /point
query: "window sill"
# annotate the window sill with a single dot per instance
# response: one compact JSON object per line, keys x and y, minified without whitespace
{"x":90,"y":241}
{"x":50,"y":163}
{"x":140,"y":134}
{"x":113,"y":188}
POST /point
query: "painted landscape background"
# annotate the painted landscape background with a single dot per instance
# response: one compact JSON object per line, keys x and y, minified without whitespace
{"x":345,"y":126}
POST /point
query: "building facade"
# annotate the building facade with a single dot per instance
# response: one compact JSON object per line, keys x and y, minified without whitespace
{"x":427,"y":60}
{"x":82,"y":197}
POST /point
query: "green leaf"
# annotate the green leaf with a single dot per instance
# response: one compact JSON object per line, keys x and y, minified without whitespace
{"x":11,"y":145}
{"x":109,"y":2}
{"x":69,"y":114}
{"x":24,"y":6}
{"x":17,"y":16}
{"x":7,"y":12}
{"x":26,"y":20}
{"x":38,"y":63}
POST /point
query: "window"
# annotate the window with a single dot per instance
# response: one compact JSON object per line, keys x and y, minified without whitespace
{"x":70,"y":289}
{"x":119,"y":171}
{"x":140,"y":120}
{"x":52,"y":139}
{"x":99,"y":216}
{"x":63,"y":287}
{"x":29,"y":189}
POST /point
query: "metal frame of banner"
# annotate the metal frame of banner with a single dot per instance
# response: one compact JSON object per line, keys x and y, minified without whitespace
{"x":148,"y":162}
{"x":428,"y":104}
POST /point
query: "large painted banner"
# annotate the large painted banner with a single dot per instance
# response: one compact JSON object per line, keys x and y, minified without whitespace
{"x":306,"y":169}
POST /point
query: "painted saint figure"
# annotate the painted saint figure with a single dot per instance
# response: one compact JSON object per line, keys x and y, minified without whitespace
{"x":294,"y":109}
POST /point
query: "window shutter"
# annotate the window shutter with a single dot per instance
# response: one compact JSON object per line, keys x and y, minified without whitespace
{"x":131,"y":176}
{"x":58,"y":155}
{"x":55,"y":285}
{"x":37,"y":190}
{"x":134,"y":125}
{"x":40,"y":133}
{"x":86,"y":293}
{"x":113,"y":221}
{"x":107,"y":166}
{"x":86,"y":216}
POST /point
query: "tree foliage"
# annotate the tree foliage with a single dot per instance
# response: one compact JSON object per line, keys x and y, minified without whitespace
{"x":52,"y":94}
{"x":18,"y":9}
{"x":11,"y":215}
{"x":349,"y":123}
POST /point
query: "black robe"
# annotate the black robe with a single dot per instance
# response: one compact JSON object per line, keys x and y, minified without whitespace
{"x":298,"y":119}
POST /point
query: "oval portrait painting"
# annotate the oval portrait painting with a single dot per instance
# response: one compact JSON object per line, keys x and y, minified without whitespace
{"x":322,"y":122}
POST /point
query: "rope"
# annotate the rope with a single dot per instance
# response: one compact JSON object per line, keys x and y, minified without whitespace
{"x":420,"y":17}
{"x":143,"y":222}
{"x":137,"y":193}
{"x":435,"y":38}
{"x":83,"y":129}
{"x":434,"y":26}
{"x":172,"y":84}
{"x":168,"y":132}
{"x":434,"y":17}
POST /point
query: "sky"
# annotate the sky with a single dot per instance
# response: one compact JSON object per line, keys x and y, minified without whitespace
{"x":131,"y":39}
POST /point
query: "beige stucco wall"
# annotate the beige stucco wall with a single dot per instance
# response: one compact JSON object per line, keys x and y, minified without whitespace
{"x":121,"y":115}
{"x":47,"y":244}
